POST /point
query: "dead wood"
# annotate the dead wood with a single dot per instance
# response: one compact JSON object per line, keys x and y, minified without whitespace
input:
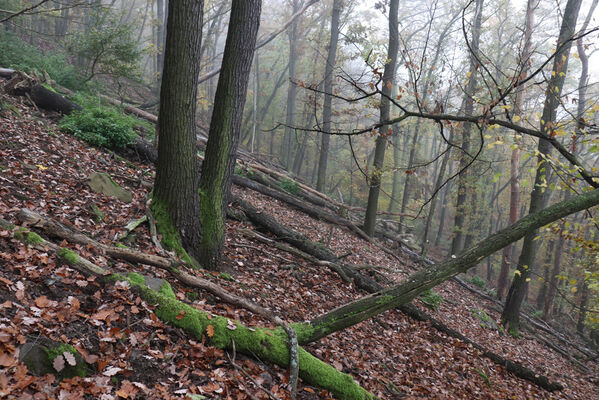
{"x":31,"y":219}
{"x":312,"y":211}
{"x":265,"y":222}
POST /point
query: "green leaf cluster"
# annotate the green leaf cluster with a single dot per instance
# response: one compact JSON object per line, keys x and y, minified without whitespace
{"x":100,"y":125}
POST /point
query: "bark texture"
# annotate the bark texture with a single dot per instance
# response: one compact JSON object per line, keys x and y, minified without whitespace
{"x":225,"y":127}
{"x":175,"y":199}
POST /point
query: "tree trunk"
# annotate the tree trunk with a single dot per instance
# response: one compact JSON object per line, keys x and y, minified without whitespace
{"x":381,"y":140}
{"x":225,"y":126}
{"x":464,"y":185}
{"x":175,"y":201}
{"x":328,"y":90}
{"x":287,"y":144}
{"x":159,"y":38}
{"x":547,"y":267}
{"x":508,"y":252}
{"x":376,"y":303}
{"x":511,"y":312}
{"x":553,"y":278}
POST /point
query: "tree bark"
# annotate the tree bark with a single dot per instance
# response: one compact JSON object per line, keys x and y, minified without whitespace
{"x":464,"y":186}
{"x":376,"y":303}
{"x":287,"y":143}
{"x":225,"y":127}
{"x":328,"y":90}
{"x":508,"y":252}
{"x":175,"y":200}
{"x":511,"y":312}
{"x":381,"y":140}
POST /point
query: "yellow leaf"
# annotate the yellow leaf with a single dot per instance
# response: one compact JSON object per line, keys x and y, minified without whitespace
{"x":516,"y":118}
{"x":527,"y":279}
{"x":517,"y":272}
{"x":574,"y":289}
{"x":41,"y":167}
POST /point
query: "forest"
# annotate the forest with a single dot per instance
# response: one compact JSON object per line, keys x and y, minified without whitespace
{"x":299,"y":199}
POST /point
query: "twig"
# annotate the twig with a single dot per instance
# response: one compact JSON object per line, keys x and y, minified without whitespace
{"x":152,"y":223}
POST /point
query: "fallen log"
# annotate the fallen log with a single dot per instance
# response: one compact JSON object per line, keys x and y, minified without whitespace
{"x":313,"y":211}
{"x":320,"y":252}
{"x":50,"y":100}
{"x":263,"y":343}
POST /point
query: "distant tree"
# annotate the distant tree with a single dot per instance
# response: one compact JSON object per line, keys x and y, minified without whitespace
{"x":511,"y":312}
{"x":381,"y":140}
{"x":105,"y":46}
{"x":328,"y":90}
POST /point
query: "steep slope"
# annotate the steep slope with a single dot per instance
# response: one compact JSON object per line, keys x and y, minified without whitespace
{"x":136,"y":355}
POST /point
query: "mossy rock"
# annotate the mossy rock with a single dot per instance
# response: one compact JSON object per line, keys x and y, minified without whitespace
{"x":486,"y":320}
{"x":40,"y":357}
{"x":101,"y":182}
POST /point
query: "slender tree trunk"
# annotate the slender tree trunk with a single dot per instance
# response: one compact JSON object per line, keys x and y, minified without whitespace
{"x":396,"y":165}
{"x":371,"y":305}
{"x":511,"y":312}
{"x":328,"y":90}
{"x":381,"y":140}
{"x":553,"y":278}
{"x":433,"y":204}
{"x":508,"y":252}
{"x":442,"y":215}
{"x":225,"y":127}
{"x":547,"y":267}
{"x":175,"y":200}
{"x":464,"y":185}
{"x":287,"y":144}
{"x":584,"y":299}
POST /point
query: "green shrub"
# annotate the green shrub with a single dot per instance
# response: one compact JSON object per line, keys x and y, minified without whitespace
{"x":99,"y":126}
{"x":477,"y":281}
{"x":431,"y":299}
{"x":102,"y":124}
{"x":20,"y":55}
{"x":289,"y":186}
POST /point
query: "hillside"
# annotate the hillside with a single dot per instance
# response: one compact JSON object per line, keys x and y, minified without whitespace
{"x":135,"y":355}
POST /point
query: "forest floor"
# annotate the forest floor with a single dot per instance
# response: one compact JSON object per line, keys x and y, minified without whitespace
{"x":137,"y":356}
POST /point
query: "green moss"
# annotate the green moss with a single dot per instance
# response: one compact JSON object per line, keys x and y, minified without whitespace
{"x":50,"y":88}
{"x":34,"y":238}
{"x":70,"y":256}
{"x":480,"y":314}
{"x":170,"y":235}
{"x":136,"y":279}
{"x":514,"y":332}
{"x":167,"y":290}
{"x":267,"y":344}
{"x":121,"y":246}
{"x":69,"y":371}
{"x":484,"y":376}
{"x":431,"y":299}
{"x":225,"y":276}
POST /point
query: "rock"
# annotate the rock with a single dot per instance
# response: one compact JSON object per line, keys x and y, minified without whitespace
{"x":44,"y":356}
{"x":101,"y":182}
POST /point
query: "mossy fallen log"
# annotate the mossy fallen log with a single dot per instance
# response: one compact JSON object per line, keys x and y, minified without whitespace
{"x":266,"y":344}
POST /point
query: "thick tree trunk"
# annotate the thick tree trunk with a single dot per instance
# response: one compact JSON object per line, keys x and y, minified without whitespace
{"x":328,"y":91}
{"x":175,"y":200}
{"x":511,"y":313}
{"x":381,"y":140}
{"x":225,"y":126}
{"x":49,"y":100}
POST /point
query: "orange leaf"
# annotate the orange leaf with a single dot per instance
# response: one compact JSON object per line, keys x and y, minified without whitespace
{"x":180,"y":315}
{"x":210,"y":330}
